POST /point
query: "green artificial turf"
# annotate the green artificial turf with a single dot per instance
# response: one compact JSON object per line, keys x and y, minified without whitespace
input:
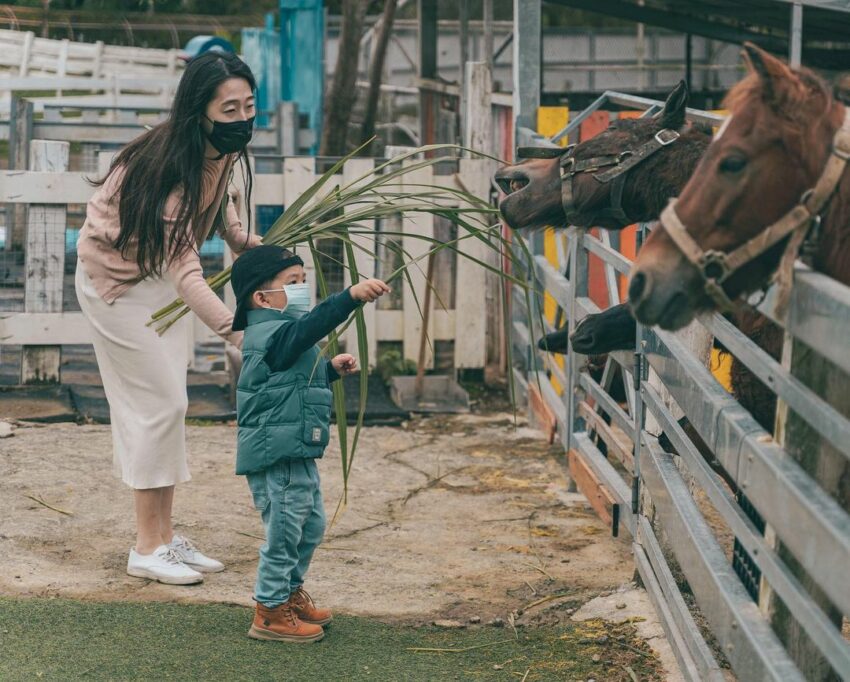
{"x":58,"y":639}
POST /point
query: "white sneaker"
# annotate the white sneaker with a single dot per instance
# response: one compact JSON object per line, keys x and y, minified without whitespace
{"x":163,"y":565}
{"x":189,"y":555}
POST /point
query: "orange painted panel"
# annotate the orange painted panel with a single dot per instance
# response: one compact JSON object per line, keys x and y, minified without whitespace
{"x":596,"y":289}
{"x":628,"y":247}
{"x":594,"y":124}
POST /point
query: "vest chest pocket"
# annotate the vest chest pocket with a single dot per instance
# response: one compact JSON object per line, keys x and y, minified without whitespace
{"x":316,"y":416}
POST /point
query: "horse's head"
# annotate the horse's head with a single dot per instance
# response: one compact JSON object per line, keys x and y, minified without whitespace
{"x":769,"y":152}
{"x":583,"y":185}
{"x":533,"y":189}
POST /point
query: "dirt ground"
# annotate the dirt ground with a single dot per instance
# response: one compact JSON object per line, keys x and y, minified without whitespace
{"x":449,"y":519}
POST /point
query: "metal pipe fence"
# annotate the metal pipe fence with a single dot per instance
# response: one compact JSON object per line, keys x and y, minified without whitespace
{"x":653,"y":494}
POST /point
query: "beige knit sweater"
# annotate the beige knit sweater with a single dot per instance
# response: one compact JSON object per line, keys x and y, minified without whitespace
{"x":112,"y":274}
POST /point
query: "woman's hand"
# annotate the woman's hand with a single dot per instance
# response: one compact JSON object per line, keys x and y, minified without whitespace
{"x":369,"y":290}
{"x":344,"y":364}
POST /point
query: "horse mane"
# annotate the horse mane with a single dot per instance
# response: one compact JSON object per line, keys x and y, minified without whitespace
{"x":793,"y":101}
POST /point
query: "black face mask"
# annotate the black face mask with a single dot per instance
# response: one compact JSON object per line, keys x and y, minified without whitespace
{"x":231,"y":137}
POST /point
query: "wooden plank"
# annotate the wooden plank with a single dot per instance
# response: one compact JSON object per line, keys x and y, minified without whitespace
{"x":364,"y":258}
{"x":26,"y":53}
{"x":597,"y":423}
{"x":22,"y":329}
{"x":597,"y":494}
{"x":471,"y":280}
{"x":29,"y":187}
{"x":542,"y":414}
{"x":45,"y":264}
{"x":298,"y":175}
{"x":478,"y":134}
{"x":20,"y":136}
{"x":423,"y":225}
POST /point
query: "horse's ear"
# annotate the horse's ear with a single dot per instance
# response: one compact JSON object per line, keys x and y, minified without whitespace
{"x":673,"y":114}
{"x":773,"y":73}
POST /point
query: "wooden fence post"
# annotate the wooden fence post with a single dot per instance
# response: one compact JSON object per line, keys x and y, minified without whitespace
{"x":287,"y":128}
{"x":365,"y":261}
{"x":20,"y":136}
{"x":414,"y":289}
{"x":45,"y":264}
{"x":477,"y":338}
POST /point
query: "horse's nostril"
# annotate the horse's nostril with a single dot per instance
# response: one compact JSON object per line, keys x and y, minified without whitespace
{"x":517,"y":184}
{"x":637,"y":287}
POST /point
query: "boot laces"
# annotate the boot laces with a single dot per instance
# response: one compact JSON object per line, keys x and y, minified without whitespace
{"x":288,"y":613}
{"x":302,"y":596}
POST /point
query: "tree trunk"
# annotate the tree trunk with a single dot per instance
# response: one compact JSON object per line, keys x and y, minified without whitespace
{"x":343,"y":91}
{"x":376,"y":70}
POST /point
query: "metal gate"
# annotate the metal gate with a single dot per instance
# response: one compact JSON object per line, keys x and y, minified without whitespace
{"x":651,"y":494}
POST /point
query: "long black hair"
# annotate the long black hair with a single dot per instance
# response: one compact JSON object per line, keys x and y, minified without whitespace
{"x":170,"y":157}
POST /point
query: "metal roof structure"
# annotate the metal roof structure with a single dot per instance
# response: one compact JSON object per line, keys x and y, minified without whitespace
{"x":825,"y":24}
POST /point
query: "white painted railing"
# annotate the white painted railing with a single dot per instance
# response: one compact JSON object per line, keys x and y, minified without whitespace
{"x":463,"y":323}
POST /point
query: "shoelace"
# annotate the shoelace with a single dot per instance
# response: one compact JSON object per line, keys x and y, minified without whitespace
{"x":289,"y":614}
{"x":302,"y":596}
{"x":185,"y":543}
{"x":170,"y":557}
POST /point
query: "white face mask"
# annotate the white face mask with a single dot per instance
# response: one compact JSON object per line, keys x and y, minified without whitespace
{"x":297,"y":298}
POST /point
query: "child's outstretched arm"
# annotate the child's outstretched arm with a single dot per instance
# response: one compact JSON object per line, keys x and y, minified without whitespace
{"x":295,"y":337}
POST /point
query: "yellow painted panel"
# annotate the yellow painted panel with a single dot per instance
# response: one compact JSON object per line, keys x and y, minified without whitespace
{"x":551,"y":120}
{"x":719,"y":112}
{"x":721,"y":368}
{"x":550,"y":252}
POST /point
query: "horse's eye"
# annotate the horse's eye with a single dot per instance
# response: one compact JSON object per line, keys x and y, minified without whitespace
{"x":733,"y":164}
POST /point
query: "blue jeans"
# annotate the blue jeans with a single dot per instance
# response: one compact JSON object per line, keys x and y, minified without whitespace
{"x":288,"y":495}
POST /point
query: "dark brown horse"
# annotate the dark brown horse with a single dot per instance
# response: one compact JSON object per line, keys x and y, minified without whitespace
{"x":772,"y":152}
{"x":534,"y":187}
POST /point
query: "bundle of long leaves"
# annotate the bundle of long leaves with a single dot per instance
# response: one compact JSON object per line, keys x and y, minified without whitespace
{"x":342,"y":212}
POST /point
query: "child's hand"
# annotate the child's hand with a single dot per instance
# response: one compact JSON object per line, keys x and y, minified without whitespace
{"x":369,"y":290}
{"x":345,"y":364}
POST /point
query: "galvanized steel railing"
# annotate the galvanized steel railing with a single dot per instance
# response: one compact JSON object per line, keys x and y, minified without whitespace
{"x":800,"y":513}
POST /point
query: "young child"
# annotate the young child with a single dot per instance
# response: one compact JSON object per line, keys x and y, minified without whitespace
{"x":284,"y":410}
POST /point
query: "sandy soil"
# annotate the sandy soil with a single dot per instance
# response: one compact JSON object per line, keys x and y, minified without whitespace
{"x":448,"y":518}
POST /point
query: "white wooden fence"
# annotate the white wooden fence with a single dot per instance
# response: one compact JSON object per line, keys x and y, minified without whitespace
{"x":31,"y":63}
{"x":44,"y":324}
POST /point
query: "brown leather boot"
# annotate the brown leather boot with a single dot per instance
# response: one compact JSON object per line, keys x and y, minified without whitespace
{"x":306,"y":609}
{"x":281,"y":624}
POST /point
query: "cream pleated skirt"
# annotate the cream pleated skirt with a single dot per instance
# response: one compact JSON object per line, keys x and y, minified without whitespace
{"x":144,"y":377}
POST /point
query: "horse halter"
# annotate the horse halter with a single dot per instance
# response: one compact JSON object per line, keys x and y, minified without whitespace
{"x":618,"y":166}
{"x":716,"y":267}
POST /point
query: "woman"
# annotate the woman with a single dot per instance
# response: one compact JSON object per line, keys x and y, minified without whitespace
{"x":138,"y":251}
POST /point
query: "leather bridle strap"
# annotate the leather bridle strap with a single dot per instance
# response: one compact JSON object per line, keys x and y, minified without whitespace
{"x":621,"y":164}
{"x":717,"y":266}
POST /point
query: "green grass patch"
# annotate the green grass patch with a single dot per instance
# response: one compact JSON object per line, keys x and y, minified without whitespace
{"x":59,"y":639}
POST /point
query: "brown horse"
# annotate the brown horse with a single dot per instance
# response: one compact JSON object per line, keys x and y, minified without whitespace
{"x":772,"y":151}
{"x":776,"y":176}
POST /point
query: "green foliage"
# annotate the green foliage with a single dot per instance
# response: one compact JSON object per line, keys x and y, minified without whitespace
{"x":391,"y":363}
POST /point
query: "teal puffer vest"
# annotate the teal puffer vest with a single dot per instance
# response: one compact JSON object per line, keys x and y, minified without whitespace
{"x":280,"y":414}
